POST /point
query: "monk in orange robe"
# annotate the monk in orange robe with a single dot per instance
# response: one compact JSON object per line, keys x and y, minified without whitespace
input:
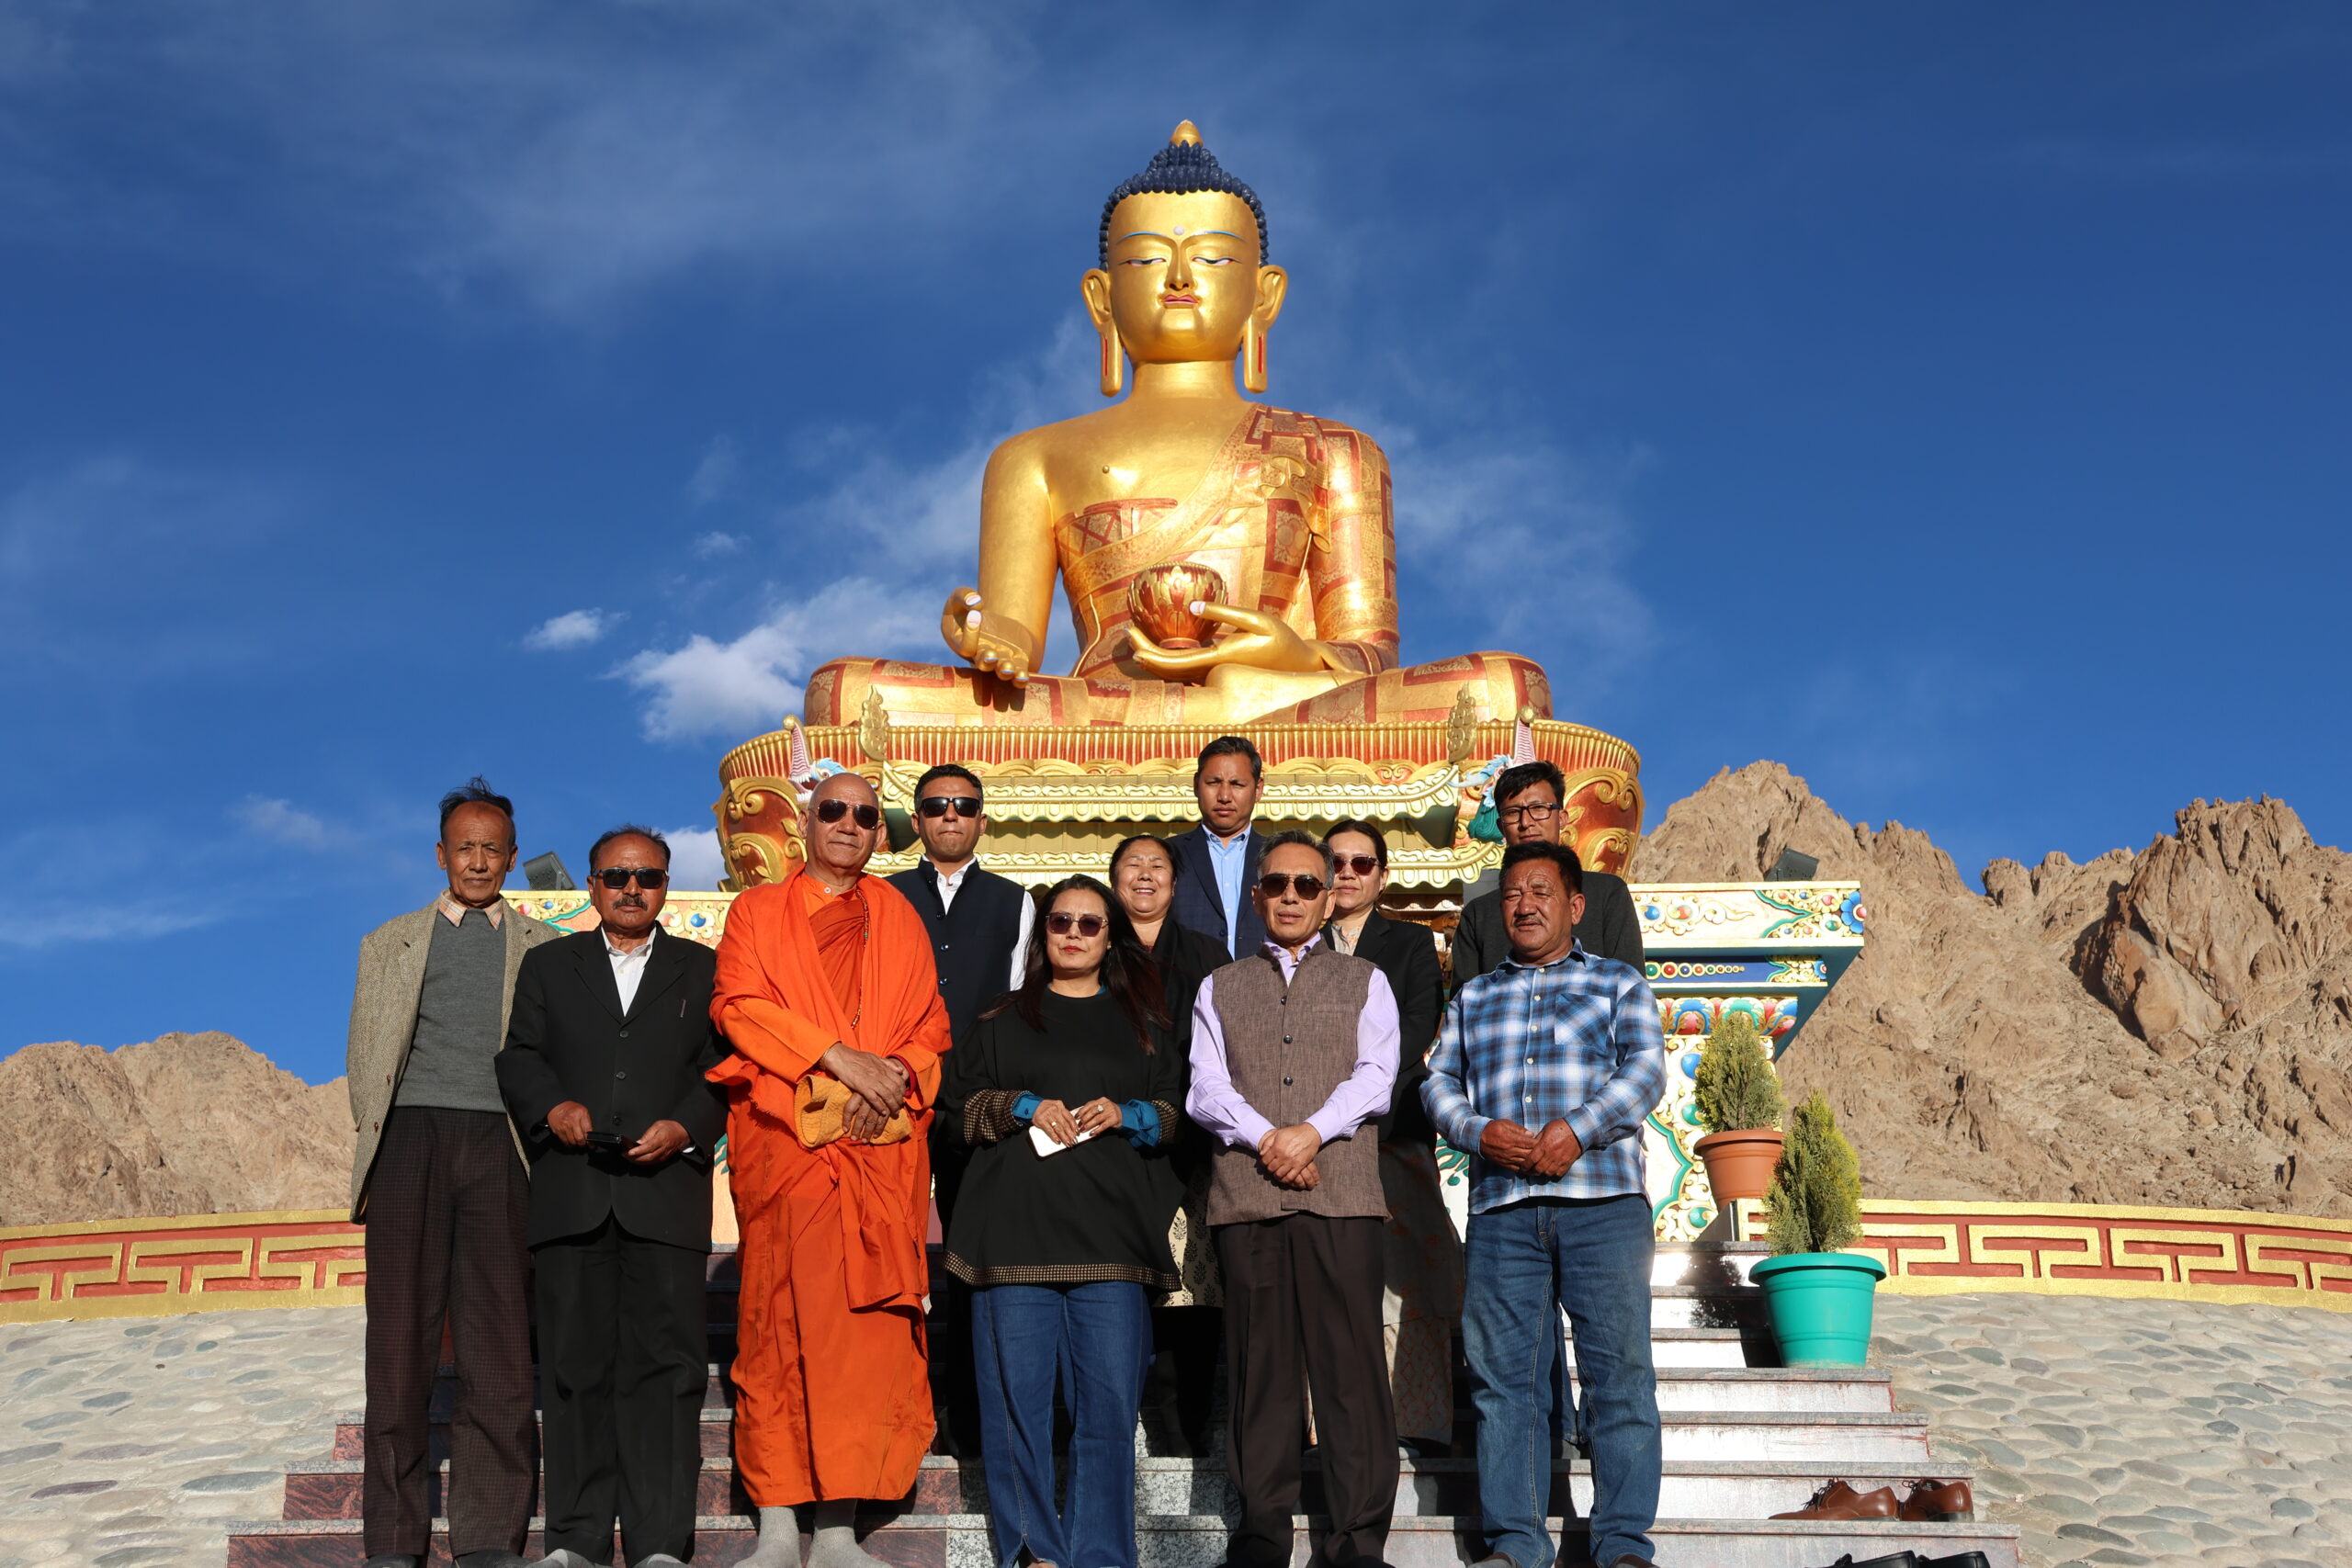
{"x":828,"y":995}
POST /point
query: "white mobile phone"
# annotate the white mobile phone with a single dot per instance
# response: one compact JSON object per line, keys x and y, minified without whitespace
{"x":1045,"y":1144}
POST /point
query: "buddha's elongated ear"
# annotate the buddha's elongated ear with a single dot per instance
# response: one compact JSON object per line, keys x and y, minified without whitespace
{"x":1273,"y":286}
{"x":1095,"y":288}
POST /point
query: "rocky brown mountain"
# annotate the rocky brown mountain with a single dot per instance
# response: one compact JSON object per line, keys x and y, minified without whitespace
{"x":184,"y":1124}
{"x":2170,"y":1027}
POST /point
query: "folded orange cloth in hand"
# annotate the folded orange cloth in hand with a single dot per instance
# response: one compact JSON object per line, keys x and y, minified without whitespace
{"x":821,"y":1109}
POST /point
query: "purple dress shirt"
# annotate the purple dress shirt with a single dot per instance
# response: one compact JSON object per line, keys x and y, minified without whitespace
{"x":1215,"y":1105}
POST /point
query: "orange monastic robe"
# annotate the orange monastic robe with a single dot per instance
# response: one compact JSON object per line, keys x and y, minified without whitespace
{"x":833,"y":1390}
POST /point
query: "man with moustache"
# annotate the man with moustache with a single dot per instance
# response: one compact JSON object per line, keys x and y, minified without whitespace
{"x":1546,"y":1066}
{"x":1529,"y":808}
{"x":438,"y":1179}
{"x":1294,"y":1054}
{"x":831,"y":1005}
{"x":602,"y":1070}
{"x":1216,"y":863}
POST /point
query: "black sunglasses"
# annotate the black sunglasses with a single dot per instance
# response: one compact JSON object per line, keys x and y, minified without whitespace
{"x":1363,"y":865}
{"x":618,"y":877}
{"x":1061,"y":923}
{"x":940,"y":805}
{"x":868,"y":817}
{"x":1273,"y":883}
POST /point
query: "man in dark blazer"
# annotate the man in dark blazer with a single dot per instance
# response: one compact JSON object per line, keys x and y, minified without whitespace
{"x":1216,"y":863}
{"x":1527,"y":806}
{"x":979,"y":926}
{"x":602,"y":1070}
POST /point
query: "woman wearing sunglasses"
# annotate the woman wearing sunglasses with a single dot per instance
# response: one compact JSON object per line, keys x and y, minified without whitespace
{"x":1187,"y":1324}
{"x":1421,"y":1257}
{"x":1067,"y":1091}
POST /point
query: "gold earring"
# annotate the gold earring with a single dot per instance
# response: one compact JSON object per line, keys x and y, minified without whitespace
{"x":1253,"y":355}
{"x":1114,"y":361}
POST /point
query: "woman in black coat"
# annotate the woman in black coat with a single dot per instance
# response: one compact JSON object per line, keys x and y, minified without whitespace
{"x":1067,"y":1091}
{"x":1421,"y":1257}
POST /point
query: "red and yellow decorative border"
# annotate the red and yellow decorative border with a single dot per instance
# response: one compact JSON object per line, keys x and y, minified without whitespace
{"x":208,"y":1262}
{"x":194,"y":1263}
{"x":2096,"y":1250}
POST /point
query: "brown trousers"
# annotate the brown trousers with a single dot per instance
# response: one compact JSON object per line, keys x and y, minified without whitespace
{"x":446,"y":1204}
{"x":1302,"y":1295}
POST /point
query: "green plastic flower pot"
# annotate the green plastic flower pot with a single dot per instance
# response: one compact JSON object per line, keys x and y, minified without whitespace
{"x":1819,"y":1303}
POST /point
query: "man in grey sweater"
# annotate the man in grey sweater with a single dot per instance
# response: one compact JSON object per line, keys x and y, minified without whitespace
{"x":439,"y":1181}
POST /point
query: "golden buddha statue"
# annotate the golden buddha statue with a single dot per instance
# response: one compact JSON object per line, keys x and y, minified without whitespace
{"x":1291,"y":511}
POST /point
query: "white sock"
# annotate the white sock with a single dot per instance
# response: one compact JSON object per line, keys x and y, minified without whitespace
{"x":779,"y":1541}
{"x":835,"y":1545}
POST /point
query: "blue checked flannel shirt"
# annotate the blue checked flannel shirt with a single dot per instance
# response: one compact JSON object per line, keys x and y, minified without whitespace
{"x":1575,"y":1038}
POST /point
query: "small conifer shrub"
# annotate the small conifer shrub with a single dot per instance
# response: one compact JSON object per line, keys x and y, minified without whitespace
{"x":1815,"y":1203}
{"x":1736,"y":1089}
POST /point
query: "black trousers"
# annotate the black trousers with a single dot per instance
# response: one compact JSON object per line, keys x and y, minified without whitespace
{"x":624,"y":1362}
{"x":1302,"y":1294}
{"x":954,"y":1387}
{"x":446,"y":1203}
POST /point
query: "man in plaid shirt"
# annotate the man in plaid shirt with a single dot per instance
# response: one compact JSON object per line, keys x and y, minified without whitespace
{"x":1545,"y":1067}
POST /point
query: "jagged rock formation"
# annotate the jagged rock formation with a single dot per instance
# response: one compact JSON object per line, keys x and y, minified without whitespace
{"x":186,"y":1125}
{"x":2169,"y":1027}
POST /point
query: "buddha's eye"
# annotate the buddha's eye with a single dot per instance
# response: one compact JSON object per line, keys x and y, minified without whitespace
{"x":1212,"y":261}
{"x":1145,"y":261}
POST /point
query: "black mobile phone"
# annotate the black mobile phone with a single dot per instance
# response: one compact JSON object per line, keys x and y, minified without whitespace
{"x":613,"y":1141}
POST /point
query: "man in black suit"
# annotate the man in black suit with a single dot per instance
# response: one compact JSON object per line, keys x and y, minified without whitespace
{"x":979,"y":925}
{"x":1216,"y":863}
{"x":1527,"y":806}
{"x":604,"y":1065}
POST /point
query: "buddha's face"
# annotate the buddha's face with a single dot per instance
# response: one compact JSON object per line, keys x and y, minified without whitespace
{"x":1184,"y":278}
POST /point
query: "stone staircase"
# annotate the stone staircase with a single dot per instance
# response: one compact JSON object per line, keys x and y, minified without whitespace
{"x":1744,"y":1439}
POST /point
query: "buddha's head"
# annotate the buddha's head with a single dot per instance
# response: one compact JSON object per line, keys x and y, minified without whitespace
{"x":1184,"y":275}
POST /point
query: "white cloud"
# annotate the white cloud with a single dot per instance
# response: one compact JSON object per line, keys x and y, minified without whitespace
{"x":573,"y":628}
{"x":716,"y":472}
{"x":715,"y":546}
{"x":713,"y":688}
{"x":284,"y":821}
{"x":696,"y":863}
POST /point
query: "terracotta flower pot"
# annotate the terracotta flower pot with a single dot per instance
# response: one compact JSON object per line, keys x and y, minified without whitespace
{"x":1739,"y":1164}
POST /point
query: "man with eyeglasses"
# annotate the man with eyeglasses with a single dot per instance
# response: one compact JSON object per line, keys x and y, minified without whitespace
{"x":830,"y":1002}
{"x":440,"y":1183}
{"x":1294,"y":1054}
{"x":1529,"y":808}
{"x":979,"y":925}
{"x":603,"y":1069}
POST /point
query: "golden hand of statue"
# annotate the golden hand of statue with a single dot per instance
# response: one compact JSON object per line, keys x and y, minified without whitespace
{"x":1267,"y":642}
{"x":990,"y":644}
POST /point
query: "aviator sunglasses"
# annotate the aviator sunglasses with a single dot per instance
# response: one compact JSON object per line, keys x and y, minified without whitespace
{"x":868,"y":817}
{"x":1061,"y":923}
{"x":618,"y":877}
{"x":1273,"y":883}
{"x":940,"y":805}
{"x":1363,"y":865}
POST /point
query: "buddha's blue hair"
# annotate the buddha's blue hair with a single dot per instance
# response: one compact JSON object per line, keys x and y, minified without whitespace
{"x":1178,"y":169}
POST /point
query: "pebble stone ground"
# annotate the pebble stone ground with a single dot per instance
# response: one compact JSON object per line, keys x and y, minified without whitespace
{"x":2129,"y":1432}
{"x":2113,"y":1432}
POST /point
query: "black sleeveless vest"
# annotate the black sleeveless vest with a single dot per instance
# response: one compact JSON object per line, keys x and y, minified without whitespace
{"x":972,"y":940}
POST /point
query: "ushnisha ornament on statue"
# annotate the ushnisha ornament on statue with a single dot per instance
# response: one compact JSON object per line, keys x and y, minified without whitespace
{"x":1168,"y":604}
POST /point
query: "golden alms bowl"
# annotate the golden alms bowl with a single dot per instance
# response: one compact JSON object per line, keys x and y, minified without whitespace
{"x":1160,"y":604}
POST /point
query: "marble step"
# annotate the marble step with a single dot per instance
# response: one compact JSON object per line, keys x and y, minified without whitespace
{"x":330,"y":1489}
{"x":1198,"y":1540}
{"x":1872,"y":1435}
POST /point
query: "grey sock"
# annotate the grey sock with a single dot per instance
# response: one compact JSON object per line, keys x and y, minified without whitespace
{"x":779,"y":1541}
{"x":835,"y":1545}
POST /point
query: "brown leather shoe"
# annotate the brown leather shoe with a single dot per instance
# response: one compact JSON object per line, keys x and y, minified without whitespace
{"x":1939,"y":1501}
{"x":1839,"y":1501}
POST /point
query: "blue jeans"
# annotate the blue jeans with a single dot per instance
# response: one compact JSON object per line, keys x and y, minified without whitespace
{"x":1093,"y":1339}
{"x":1525,"y":1263}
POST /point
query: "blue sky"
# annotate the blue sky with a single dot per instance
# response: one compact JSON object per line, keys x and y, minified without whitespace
{"x":1948,"y":401}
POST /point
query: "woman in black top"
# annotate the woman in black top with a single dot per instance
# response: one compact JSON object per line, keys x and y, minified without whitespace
{"x":1187,"y":1324}
{"x":1067,"y":1091}
{"x":1420,"y":1254}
